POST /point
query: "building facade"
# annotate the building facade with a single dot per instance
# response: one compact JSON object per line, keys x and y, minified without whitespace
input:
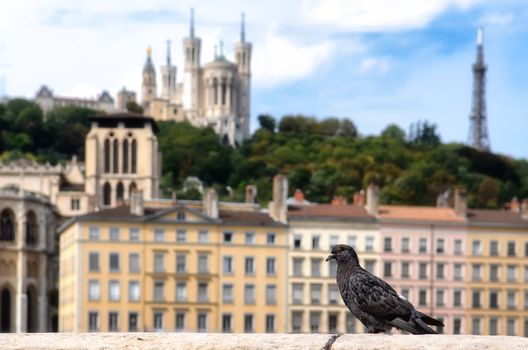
{"x":215,"y":95}
{"x":47,"y":101}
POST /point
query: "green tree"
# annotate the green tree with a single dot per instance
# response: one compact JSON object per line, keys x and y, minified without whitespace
{"x":267,"y":122}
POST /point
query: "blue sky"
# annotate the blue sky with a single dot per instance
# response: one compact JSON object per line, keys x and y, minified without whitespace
{"x":374,"y":61}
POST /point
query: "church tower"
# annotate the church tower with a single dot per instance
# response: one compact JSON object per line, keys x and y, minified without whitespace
{"x":168,"y":78}
{"x":243,"y":58}
{"x":478,"y":130}
{"x":191,"y":74}
{"x":148,"y":88}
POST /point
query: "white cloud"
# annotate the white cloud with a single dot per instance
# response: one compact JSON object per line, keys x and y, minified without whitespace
{"x":500,"y":19}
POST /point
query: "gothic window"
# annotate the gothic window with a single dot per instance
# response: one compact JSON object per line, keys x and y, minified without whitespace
{"x":244,"y":59}
{"x":31,"y":228}
{"x":215,"y":91}
{"x":125,"y":156}
{"x":120,"y":192}
{"x":193,"y":54}
{"x":7,"y":225}
{"x":133,"y":162}
{"x":107,"y":156}
{"x":224,"y":91}
{"x":107,"y":192}
{"x":116,"y":157}
{"x":5,"y":311}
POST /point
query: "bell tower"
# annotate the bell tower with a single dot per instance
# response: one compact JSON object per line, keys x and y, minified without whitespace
{"x":191,"y":73}
{"x":243,"y":60}
{"x":148,"y":88}
{"x":168,"y":77}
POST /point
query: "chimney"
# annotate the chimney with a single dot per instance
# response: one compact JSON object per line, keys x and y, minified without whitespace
{"x":442,"y":200}
{"x":524,"y":209}
{"x":359,"y":198}
{"x":278,"y":209}
{"x":210,"y":203}
{"x":136,"y":203}
{"x":338,"y":200}
{"x":372,"y":199}
{"x":251,"y":193}
{"x":460,"y":201}
{"x":514,"y":205}
{"x":298,"y":196}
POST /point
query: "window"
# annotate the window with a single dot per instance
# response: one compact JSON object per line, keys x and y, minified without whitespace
{"x":249,"y":237}
{"x":180,"y":321}
{"x":93,"y":261}
{"x":387,"y":269}
{"x":203,"y":236}
{"x":181,"y":236}
{"x":133,"y":234}
{"x":298,"y":266}
{"x":525,"y":248}
{"x":475,"y":326}
{"x":271,"y":294}
{"x":248,"y":323}
{"x":332,"y":268}
{"x":181,"y":263}
{"x":158,"y":320}
{"x":113,"y":291}
{"x":159,"y":235}
{"x":113,"y":321}
{"x":133,"y":291}
{"x":227,"y":293}
{"x":405,"y":293}
{"x":333,"y":294}
{"x":494,"y":272}
{"x":422,"y":247}
{"x":94,"y":290}
{"x":494,"y":299}
{"x":332,"y":323}
{"x":440,"y":268}
{"x":297,"y":319}
{"x":512,"y":273}
{"x":477,"y":272}
{"x":511,"y":248}
{"x":315,"y":267}
{"x":369,"y":265}
{"x":114,"y":262}
{"x":270,"y":323}
{"x":270,"y":238}
{"x":510,"y":326}
{"x":316,"y":242}
{"x":351,"y":240}
{"x":133,"y":262}
{"x":93,"y":233}
{"x":369,"y":244}
{"x":75,"y":204}
{"x":440,"y":298}
{"x":334,"y":240}
{"x":133,"y":321}
{"x":526,"y":327}
{"x":526,"y":300}
{"x":315,"y":293}
{"x":228,"y":237}
{"x":493,"y":326}
{"x":297,"y":241}
{"x":525,"y":273}
{"x":387,"y":244}
{"x":107,"y":194}
{"x":405,"y":245}
{"x":249,"y":294}
{"x":227,"y":265}
{"x":159,"y":262}
{"x":202,"y":322}
{"x":476,"y":248}
{"x":457,"y":297}
{"x":405,"y":269}
{"x":494,"y":248}
{"x":350,"y":323}
{"x":458,"y":247}
{"x":202,"y":292}
{"x":114,"y":233}
{"x":315,"y":320}
{"x":249,"y":265}
{"x":511,"y":299}
{"x":203,"y":263}
{"x":422,"y":297}
{"x":298,"y":293}
{"x":440,"y":246}
{"x":457,"y":271}
{"x":93,"y":321}
{"x":159,"y":291}
{"x":270,"y":266}
{"x":457,"y":326}
{"x":181,"y":291}
{"x":422,"y":273}
{"x":476,"y":303}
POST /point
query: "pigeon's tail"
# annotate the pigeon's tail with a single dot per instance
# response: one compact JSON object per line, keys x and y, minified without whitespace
{"x":417,"y":323}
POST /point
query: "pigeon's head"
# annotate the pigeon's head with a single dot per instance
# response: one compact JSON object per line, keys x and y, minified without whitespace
{"x":343,"y":253}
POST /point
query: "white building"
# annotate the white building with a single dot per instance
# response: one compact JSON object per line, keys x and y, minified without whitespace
{"x":47,"y":101}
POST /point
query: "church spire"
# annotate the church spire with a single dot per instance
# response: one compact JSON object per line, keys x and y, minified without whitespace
{"x":168,"y":53}
{"x":191,"y":32}
{"x":243,"y":27}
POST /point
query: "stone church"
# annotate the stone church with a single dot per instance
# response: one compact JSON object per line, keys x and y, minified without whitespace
{"x":216,"y":94}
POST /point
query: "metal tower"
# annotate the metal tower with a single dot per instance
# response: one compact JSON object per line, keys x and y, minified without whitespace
{"x":478,"y":129}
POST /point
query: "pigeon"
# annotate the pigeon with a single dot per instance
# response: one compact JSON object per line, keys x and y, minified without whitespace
{"x":373,"y":301}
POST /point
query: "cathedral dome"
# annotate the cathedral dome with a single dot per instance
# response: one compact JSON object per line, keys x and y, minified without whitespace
{"x":220,"y":62}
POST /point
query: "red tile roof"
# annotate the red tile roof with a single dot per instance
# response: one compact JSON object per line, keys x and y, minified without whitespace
{"x":404,"y":212}
{"x":329,"y":211}
{"x":495,"y":216}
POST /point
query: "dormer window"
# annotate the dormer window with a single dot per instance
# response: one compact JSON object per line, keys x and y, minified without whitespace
{"x":181,"y":215}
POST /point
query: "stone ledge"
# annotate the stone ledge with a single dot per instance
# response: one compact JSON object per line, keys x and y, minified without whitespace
{"x":206,"y":341}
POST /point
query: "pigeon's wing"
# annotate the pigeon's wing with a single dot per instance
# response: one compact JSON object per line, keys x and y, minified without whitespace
{"x":376,"y":297}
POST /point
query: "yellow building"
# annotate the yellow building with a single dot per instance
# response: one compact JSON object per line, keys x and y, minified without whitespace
{"x":186,"y":266}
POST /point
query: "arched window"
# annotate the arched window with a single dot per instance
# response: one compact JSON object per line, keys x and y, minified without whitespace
{"x":125,"y":156}
{"x":131,"y":189}
{"x":107,"y":193}
{"x":120,"y":193}
{"x":133,"y":162}
{"x":224,"y":91}
{"x":107,"y":156}
{"x":31,"y":228}
{"x":116,"y":156}
{"x":7,"y":225}
{"x":215,"y":91}
{"x":32,"y":309}
{"x":5,"y":311}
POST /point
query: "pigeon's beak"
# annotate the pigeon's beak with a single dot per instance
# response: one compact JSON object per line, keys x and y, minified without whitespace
{"x":330,"y":257}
